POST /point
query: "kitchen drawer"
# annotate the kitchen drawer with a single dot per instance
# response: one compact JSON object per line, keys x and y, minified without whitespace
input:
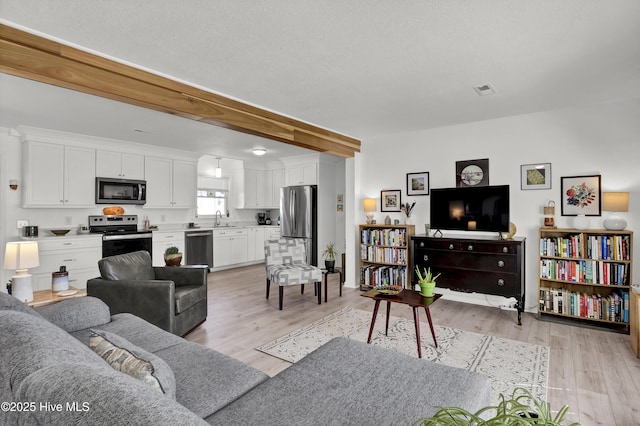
{"x":62,"y":243}
{"x":473,"y":260}
{"x":77,"y":279}
{"x":166,"y":236}
{"x":229,"y":233}
{"x":50,"y":261}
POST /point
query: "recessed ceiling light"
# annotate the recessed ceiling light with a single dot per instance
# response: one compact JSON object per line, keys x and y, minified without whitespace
{"x":259,"y":151}
{"x":484,"y":89}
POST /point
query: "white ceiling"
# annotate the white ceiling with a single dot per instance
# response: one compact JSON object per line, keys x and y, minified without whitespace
{"x":359,"y":67}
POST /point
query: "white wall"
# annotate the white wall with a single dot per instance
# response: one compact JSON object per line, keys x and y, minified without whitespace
{"x":598,"y":139}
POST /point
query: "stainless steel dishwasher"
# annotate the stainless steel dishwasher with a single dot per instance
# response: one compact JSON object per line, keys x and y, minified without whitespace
{"x":199,"y":247}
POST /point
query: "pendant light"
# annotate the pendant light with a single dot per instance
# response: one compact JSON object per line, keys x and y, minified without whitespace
{"x":218,"y":169}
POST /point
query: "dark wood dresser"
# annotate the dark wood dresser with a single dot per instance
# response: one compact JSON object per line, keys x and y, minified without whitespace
{"x":474,"y":264}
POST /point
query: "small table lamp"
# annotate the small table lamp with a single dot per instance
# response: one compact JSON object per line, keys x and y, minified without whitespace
{"x":615,"y":202}
{"x":369,"y":207}
{"x":20,"y":256}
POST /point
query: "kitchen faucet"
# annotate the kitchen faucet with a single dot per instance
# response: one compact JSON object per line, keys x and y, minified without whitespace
{"x":217,"y":222}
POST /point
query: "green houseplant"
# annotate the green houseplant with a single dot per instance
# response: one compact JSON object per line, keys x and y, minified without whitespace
{"x":172,"y":256}
{"x":427,"y":281}
{"x":329,"y":254}
{"x":520,"y":409}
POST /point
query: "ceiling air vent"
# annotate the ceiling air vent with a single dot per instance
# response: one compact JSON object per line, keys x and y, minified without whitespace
{"x":484,"y":90}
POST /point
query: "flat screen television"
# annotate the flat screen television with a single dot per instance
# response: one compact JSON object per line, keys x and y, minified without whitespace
{"x":482,"y":208}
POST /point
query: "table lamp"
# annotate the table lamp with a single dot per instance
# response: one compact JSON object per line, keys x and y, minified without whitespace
{"x":615,"y":202}
{"x":369,"y":207}
{"x":21,"y":255}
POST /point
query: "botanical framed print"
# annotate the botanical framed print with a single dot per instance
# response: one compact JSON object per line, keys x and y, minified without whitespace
{"x":390,"y":200}
{"x":580,"y":195}
{"x":472,"y":173}
{"x":418,"y":183}
{"x":535,"y":176}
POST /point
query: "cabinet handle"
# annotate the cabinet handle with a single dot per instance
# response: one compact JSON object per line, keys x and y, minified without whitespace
{"x":425,"y":257}
{"x":450,"y":246}
{"x":505,"y":249}
{"x":470,"y":247}
{"x":72,"y":281}
{"x":501,"y":282}
{"x":69,"y":260}
{"x":67,"y":244}
{"x":500,"y":263}
{"x":421,"y":244}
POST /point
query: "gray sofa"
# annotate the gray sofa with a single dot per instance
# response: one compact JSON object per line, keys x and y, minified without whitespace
{"x":49,"y":375}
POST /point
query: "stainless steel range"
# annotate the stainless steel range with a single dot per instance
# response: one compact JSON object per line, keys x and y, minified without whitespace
{"x":120,"y":234}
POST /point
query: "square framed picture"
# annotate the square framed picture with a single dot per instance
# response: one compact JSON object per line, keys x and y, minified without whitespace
{"x":535,"y":176}
{"x":390,"y":200}
{"x":418,"y":183}
{"x":580,"y":195}
{"x":472,"y":173}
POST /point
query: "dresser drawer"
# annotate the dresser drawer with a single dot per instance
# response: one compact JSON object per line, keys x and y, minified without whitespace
{"x":476,"y":246}
{"x":496,"y":283}
{"x":473,"y":260}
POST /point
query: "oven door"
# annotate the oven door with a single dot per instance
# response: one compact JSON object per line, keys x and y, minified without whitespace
{"x":127,"y":243}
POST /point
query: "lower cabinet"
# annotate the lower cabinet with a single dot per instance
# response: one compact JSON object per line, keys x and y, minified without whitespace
{"x":255,"y":243}
{"x":162,"y":240}
{"x":229,"y":247}
{"x":79,"y":256}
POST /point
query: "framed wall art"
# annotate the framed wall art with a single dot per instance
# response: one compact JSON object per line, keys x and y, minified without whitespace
{"x":472,"y":173}
{"x":535,"y":176}
{"x":390,"y":200}
{"x":418,"y":183}
{"x":580,"y":195}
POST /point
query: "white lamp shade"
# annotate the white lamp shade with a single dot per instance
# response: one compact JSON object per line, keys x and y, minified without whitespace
{"x":369,"y":205}
{"x":21,"y":255}
{"x":615,"y":201}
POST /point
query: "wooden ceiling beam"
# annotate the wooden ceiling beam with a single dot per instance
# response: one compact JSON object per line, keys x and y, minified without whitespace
{"x":26,"y":55}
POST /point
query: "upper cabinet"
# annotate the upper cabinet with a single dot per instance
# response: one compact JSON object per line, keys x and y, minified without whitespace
{"x":261,"y":189}
{"x":58,"y":176}
{"x":302,"y":174}
{"x":119,"y":165}
{"x":170,"y":183}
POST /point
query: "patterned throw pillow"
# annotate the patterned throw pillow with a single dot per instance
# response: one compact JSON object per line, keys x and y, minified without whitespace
{"x":128,"y":358}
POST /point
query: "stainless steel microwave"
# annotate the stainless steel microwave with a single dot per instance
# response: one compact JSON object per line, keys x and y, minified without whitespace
{"x":120,"y":191}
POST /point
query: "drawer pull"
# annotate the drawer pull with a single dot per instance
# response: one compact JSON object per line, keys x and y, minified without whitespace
{"x":500,"y":282}
{"x":425,"y":257}
{"x":500,"y":263}
{"x":470,"y":247}
{"x":450,"y":246}
{"x":67,"y":244}
{"x":421,"y":243}
{"x":69,"y":260}
{"x":505,"y":249}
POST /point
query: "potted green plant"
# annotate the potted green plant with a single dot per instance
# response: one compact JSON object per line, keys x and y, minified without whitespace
{"x":329,"y":254}
{"x":521,"y":408}
{"x":172,"y":256}
{"x":427,"y":282}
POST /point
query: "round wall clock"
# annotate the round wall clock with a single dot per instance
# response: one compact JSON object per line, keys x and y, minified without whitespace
{"x":472,"y":175}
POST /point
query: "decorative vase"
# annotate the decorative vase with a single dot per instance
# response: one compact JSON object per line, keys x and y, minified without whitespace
{"x":426,"y":288}
{"x":408,"y":221}
{"x":173,"y":259}
{"x":581,"y":222}
{"x":330,"y":265}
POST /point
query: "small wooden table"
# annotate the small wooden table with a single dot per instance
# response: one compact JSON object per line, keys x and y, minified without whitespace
{"x":47,"y":297}
{"x":326,"y":272}
{"x":406,"y":297}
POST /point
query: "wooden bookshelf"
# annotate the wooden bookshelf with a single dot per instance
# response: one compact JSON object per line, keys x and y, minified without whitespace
{"x":585,"y":277}
{"x":385,"y":255}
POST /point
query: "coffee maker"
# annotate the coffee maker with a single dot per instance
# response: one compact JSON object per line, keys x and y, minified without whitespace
{"x":267,"y":219}
{"x":262,"y":218}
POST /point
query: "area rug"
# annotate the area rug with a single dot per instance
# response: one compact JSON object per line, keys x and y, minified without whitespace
{"x":508,"y":363}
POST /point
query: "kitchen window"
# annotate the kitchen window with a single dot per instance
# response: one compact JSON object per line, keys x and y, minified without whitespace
{"x":210,"y":201}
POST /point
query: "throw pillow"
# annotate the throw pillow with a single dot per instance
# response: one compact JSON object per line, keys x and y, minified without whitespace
{"x":128,"y":358}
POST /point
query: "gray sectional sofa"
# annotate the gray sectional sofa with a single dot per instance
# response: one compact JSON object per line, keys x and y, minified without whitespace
{"x":50,"y":375}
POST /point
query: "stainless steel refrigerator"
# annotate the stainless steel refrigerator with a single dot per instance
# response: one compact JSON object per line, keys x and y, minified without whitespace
{"x":298,"y":217}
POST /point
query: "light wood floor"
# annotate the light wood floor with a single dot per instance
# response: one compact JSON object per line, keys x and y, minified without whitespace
{"x":594,"y":372}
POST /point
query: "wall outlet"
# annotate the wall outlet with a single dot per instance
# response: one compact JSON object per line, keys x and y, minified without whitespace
{"x":22,"y":223}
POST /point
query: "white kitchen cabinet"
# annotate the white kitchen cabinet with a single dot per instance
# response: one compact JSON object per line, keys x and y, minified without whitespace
{"x":170,"y":183}
{"x":162,"y":240}
{"x":276,"y":184}
{"x":259,"y":190}
{"x":304,"y":174}
{"x":119,"y":165}
{"x":80,"y":256}
{"x":58,"y":176}
{"x":255,"y":243}
{"x":229,"y":247}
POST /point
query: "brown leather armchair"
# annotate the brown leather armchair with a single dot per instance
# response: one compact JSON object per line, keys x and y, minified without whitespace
{"x":173,"y":298}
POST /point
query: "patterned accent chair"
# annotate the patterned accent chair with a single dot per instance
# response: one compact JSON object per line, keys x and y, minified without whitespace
{"x":285,"y":261}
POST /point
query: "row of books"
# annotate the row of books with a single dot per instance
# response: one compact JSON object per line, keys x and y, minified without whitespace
{"x":383,"y":254}
{"x":384,"y":237}
{"x":614,"y":307}
{"x":373,"y":275}
{"x":606,"y":247}
{"x":585,"y":271}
